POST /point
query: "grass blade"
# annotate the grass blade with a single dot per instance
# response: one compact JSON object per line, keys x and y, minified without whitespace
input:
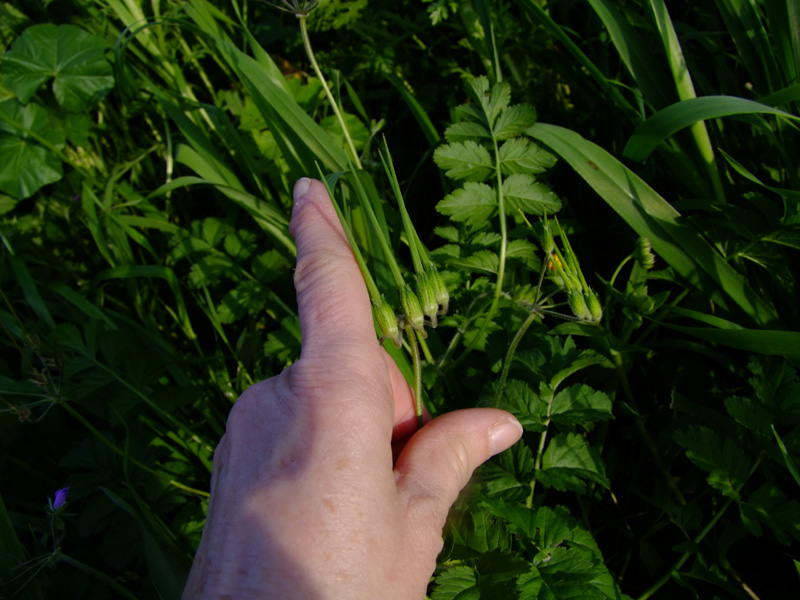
{"x":672,"y":119}
{"x":692,"y":258}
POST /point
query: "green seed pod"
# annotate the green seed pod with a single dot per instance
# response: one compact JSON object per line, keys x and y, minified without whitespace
{"x":578,"y":305}
{"x":387,"y":321}
{"x":412,"y":309}
{"x":643,"y":254}
{"x":427,"y":297}
{"x":440,"y":289}
{"x":547,"y":238}
{"x":593,"y":304}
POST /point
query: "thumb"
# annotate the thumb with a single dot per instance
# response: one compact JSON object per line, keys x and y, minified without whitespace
{"x":439,"y":459}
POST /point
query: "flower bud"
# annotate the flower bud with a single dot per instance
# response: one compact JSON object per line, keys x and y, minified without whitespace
{"x":547,"y":238}
{"x":593,"y":304}
{"x":440,"y":289}
{"x":578,"y":305}
{"x":427,"y":297}
{"x":412,"y":309}
{"x":643,"y":254}
{"x":387,"y":321}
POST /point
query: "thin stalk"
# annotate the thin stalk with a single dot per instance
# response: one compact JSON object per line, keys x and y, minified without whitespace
{"x":412,"y":341}
{"x":510,"y":354}
{"x":540,"y":451}
{"x":498,"y":290}
{"x":334,"y":105}
{"x":374,"y":293}
{"x":685,"y":556}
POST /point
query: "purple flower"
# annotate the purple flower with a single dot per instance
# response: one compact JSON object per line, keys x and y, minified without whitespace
{"x":61,"y":497}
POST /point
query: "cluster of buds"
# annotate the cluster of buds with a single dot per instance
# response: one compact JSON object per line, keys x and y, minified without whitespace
{"x":430,"y":300}
{"x":565,"y":271}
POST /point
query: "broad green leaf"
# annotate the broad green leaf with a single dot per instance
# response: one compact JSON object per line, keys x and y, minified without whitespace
{"x":524,"y":251}
{"x":720,"y":456}
{"x":573,"y":573}
{"x":514,"y":120}
{"x":209,"y":269}
{"x":683,"y":114}
{"x":468,"y":161}
{"x":466,"y":130}
{"x":240,"y":244}
{"x":522,"y":192}
{"x":776,"y":384}
{"x":358,"y":131}
{"x":568,"y":462}
{"x":474,"y":204}
{"x":511,"y":471}
{"x":25,"y":164}
{"x":456,"y":583}
{"x":475,"y":533}
{"x":750,"y":414}
{"x":520,"y":155}
{"x":246,"y":297}
{"x":483,"y":260}
{"x":769,"y":506}
{"x":579,"y":404}
{"x":691,"y":256}
{"x":491,"y":99}
{"x":525,"y":404}
{"x":73,"y":58}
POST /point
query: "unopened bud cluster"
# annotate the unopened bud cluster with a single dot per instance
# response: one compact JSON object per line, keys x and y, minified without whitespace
{"x":430,"y":300}
{"x":564,"y":270}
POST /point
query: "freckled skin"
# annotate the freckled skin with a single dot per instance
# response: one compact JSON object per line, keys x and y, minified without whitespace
{"x":319,"y":490}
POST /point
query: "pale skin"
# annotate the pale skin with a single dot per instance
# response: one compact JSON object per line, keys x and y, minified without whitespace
{"x":318,"y":492}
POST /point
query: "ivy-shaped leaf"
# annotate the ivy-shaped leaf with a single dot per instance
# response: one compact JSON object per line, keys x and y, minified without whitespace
{"x":568,"y":462}
{"x":522,"y":192}
{"x":468,"y":161}
{"x":474,"y":204}
{"x":74,"y":59}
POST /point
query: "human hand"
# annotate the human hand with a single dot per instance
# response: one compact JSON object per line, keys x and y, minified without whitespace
{"x":306,"y":501}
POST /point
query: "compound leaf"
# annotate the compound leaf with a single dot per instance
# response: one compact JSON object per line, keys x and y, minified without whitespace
{"x":464,"y":160}
{"x":474,"y":204}
{"x":522,"y":192}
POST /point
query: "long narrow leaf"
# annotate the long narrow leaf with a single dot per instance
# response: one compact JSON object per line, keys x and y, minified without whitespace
{"x":672,"y":119}
{"x":651,"y":216}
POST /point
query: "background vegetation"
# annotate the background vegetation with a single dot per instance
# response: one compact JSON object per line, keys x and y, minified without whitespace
{"x":147,"y":155}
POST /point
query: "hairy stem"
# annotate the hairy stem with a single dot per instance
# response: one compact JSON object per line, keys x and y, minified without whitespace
{"x":334,"y":105}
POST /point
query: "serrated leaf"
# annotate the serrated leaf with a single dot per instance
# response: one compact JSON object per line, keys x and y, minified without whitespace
{"x":476,"y":532}
{"x":568,"y":462}
{"x":448,"y":233}
{"x":720,"y":456}
{"x":511,"y":470}
{"x":466,"y":130}
{"x":474,"y":204}
{"x":514,"y":120}
{"x":240,"y":244}
{"x":492,"y":100}
{"x":522,"y":192}
{"x":525,"y":404}
{"x":580,"y":404}
{"x":750,"y":415}
{"x":483,"y":260}
{"x":269,"y":266}
{"x":73,"y":58}
{"x":210,"y":269}
{"x":524,"y":251}
{"x":246,"y":297}
{"x":519,"y":155}
{"x":572,"y":573}
{"x":468,"y":161}
{"x":284,"y":343}
{"x":769,"y":506}
{"x":456,"y":583}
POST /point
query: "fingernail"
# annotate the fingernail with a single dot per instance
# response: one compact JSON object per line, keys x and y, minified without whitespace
{"x":503,"y":435}
{"x":300,"y":188}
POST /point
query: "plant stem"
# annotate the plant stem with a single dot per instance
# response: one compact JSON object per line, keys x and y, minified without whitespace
{"x":334,"y":105}
{"x":684,"y":557}
{"x":510,"y":354}
{"x":412,"y":341}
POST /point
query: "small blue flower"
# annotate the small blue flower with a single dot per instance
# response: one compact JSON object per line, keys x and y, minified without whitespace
{"x":61,"y":498}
